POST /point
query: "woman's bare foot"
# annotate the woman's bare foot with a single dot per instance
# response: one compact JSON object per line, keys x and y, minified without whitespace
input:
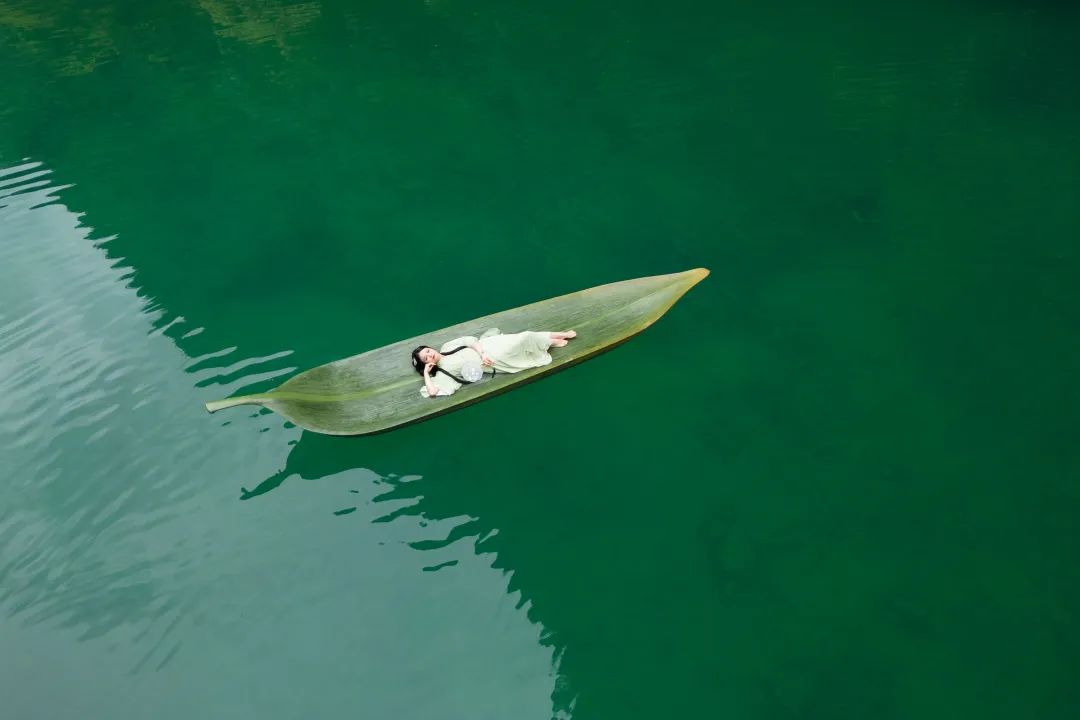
{"x":558,"y":342}
{"x":564,"y":335}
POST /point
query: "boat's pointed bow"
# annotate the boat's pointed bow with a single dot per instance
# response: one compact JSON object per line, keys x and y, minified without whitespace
{"x":689,"y":279}
{"x":697,"y":275}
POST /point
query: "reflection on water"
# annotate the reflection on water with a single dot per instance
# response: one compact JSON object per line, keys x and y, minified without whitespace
{"x":258,"y":22}
{"x":440,"y":519}
{"x":86,"y":34}
{"x":122,"y":546}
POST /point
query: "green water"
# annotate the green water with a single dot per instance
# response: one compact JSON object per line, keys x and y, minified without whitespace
{"x":838,"y":480}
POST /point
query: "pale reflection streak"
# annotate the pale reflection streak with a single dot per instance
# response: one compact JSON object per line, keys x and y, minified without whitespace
{"x":118,"y":494}
{"x":91,"y":383}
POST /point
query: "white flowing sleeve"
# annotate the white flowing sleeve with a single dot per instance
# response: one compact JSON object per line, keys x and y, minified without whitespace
{"x":458,"y":342}
{"x":445,"y":386}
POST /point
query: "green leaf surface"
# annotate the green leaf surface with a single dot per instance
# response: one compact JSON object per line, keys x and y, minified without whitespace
{"x":379,"y":390}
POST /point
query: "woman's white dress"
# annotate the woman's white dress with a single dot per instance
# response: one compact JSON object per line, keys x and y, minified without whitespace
{"x":510,"y":353}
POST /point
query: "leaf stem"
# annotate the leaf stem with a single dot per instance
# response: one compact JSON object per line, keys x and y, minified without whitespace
{"x":233,"y":402}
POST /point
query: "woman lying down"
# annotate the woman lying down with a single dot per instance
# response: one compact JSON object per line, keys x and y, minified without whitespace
{"x":446,"y":369}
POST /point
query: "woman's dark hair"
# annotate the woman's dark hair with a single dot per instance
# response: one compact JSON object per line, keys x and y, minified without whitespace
{"x":418,"y":364}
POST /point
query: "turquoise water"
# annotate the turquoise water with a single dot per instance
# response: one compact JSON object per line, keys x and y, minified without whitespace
{"x":837,"y":480}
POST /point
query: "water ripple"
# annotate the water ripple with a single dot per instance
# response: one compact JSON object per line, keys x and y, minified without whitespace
{"x":118,"y":516}
{"x":82,"y":357}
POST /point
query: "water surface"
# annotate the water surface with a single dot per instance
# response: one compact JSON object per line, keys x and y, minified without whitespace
{"x":838,"y":479}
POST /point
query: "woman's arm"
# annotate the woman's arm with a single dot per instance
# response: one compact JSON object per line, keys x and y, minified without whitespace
{"x":484,"y":359}
{"x":433,"y":391}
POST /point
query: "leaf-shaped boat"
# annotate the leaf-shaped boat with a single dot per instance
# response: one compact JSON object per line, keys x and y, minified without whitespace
{"x":378,"y":390}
